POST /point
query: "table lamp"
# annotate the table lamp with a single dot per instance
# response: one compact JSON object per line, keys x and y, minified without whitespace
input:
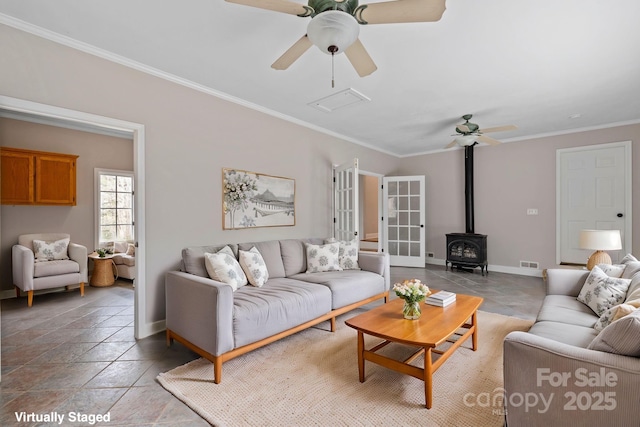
{"x":600,"y":241}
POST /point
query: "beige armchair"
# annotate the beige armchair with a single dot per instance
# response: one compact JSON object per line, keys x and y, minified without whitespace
{"x":52,"y":261}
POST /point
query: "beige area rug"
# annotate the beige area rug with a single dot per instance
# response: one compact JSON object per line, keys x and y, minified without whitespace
{"x":311,"y":379}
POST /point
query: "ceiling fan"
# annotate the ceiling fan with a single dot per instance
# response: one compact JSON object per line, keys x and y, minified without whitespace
{"x":470,"y":133}
{"x":334,"y":25}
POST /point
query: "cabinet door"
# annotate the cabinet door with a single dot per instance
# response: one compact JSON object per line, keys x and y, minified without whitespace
{"x":55,"y":180}
{"x":17,"y":178}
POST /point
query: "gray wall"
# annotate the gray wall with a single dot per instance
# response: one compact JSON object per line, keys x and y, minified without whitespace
{"x":94,"y":151}
{"x":509,"y":178}
{"x":190,"y":137}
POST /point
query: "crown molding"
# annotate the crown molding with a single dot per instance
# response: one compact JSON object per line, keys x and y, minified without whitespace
{"x":127,"y":62}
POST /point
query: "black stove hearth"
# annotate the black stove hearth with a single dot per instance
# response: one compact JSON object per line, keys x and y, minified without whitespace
{"x":467,"y":250}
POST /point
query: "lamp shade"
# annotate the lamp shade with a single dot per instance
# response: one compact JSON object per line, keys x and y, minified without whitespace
{"x":333,"y":28}
{"x":600,"y":240}
{"x":465,"y":140}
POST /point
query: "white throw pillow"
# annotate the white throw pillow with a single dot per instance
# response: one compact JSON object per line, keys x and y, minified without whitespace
{"x":612,"y":270}
{"x":322,"y":258}
{"x":49,"y":251}
{"x":254,"y":267}
{"x":601,"y":292}
{"x":223,"y":267}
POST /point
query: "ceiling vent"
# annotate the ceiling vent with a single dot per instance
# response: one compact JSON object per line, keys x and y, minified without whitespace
{"x":338,"y":100}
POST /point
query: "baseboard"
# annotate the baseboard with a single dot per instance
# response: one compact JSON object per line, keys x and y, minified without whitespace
{"x":8,"y":294}
{"x":152,"y":328}
{"x":532,"y":272}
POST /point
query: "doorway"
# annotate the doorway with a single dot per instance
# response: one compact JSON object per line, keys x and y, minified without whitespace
{"x":76,"y":119}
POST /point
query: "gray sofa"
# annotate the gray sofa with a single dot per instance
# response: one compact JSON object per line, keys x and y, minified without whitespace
{"x":219,"y":324}
{"x":565,"y":372}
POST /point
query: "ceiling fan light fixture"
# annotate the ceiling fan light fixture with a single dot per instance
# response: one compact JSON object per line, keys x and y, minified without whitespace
{"x":333,"y":31}
{"x":465,"y":140}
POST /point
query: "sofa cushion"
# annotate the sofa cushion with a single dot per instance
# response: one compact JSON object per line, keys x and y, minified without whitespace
{"x":347,"y":286}
{"x":566,"y":309}
{"x":620,"y":337}
{"x":271,"y":254}
{"x":223,"y":267}
{"x":193,"y":258}
{"x":294,"y":256}
{"x":254,"y":266}
{"x":601,"y":292}
{"x":579,"y":336}
{"x":49,"y":251}
{"x":322,"y":258}
{"x":55,"y":268}
{"x":281,"y":304}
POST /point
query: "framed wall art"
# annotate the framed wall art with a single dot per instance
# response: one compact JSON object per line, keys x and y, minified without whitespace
{"x":251,"y":199}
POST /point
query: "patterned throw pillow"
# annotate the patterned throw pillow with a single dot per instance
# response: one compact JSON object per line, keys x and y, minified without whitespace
{"x":49,"y":251}
{"x":601,"y":292}
{"x":223,"y":267}
{"x":323,"y":257}
{"x":612,"y":270}
{"x":348,"y":254}
{"x":254,"y":267}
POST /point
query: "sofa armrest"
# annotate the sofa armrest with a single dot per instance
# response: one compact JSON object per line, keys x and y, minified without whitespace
{"x":565,"y":281}
{"x":377,"y":263}
{"x":200,"y":310}
{"x":22,"y":266}
{"x":78,"y":253}
{"x":551,"y":383}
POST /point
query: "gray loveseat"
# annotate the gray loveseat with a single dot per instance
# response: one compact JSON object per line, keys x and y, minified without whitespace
{"x":565,"y":372}
{"x":219,"y":324}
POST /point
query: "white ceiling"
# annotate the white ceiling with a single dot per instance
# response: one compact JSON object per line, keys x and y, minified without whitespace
{"x":536,"y":64}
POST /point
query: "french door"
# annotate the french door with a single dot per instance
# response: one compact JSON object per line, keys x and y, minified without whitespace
{"x":593,"y":192}
{"x":346,"y":201}
{"x":404,"y":236}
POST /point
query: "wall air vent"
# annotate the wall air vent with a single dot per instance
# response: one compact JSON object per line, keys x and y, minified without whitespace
{"x":338,"y":100}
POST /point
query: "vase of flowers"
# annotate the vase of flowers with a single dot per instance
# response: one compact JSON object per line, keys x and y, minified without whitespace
{"x":412,"y":291}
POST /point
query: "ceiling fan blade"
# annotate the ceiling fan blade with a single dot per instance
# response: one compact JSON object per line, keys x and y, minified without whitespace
{"x":391,"y":12}
{"x":451,"y":144}
{"x":499,"y":129}
{"x":360,"y":59}
{"x":283,"y":6}
{"x":292,"y":54}
{"x":488,"y":140}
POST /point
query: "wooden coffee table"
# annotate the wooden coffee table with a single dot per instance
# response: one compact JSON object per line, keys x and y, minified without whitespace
{"x":436,"y":326}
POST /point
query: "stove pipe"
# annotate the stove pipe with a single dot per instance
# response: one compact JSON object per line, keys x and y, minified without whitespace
{"x":468,"y":188}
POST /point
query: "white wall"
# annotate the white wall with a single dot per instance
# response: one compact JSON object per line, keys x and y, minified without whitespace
{"x":190,"y":136}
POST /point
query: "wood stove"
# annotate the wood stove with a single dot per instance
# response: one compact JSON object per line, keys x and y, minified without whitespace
{"x":467,"y":250}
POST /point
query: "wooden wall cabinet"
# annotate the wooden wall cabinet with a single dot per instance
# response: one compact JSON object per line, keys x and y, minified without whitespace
{"x":37,"y":178}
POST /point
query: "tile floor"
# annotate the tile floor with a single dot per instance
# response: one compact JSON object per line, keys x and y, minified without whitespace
{"x":71,"y":354}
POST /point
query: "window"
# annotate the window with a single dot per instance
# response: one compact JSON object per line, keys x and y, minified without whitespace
{"x":114,"y":198}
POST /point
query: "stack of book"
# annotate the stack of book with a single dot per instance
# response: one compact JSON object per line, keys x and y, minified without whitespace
{"x":441,"y":298}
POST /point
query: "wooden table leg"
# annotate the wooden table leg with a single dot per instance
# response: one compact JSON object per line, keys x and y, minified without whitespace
{"x":474,"y":335}
{"x":361,"y":356}
{"x":428,"y":377}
